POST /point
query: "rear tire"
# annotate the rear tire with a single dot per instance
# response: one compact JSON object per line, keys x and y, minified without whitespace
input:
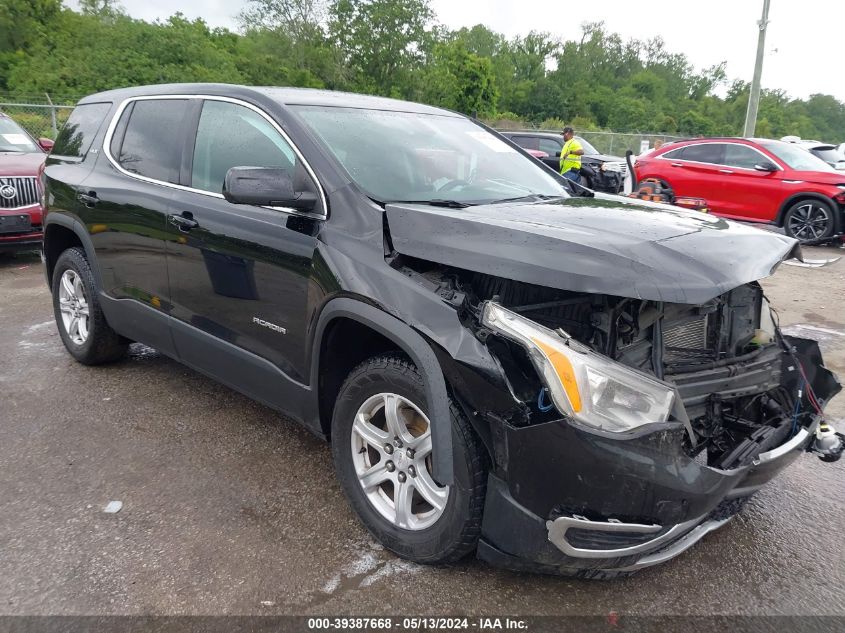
{"x":809,"y":220}
{"x":435,"y":524}
{"x":79,"y":317}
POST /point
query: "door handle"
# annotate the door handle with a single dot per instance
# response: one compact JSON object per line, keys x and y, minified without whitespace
{"x":88,"y":199}
{"x":184,"y":222}
{"x":677,"y":165}
{"x":726,"y":171}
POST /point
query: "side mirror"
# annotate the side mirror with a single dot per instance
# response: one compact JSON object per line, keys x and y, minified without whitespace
{"x":46,"y":144}
{"x":766,"y":166}
{"x":265,"y":187}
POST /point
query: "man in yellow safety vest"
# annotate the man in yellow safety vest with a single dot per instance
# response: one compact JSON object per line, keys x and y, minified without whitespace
{"x":570,"y":155}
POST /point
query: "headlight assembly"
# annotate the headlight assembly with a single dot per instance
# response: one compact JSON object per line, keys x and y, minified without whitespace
{"x":584,"y":385}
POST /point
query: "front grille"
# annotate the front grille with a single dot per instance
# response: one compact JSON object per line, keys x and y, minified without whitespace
{"x":26,"y":192}
{"x":686,"y":340}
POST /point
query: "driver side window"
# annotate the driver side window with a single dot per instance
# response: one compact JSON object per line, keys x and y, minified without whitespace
{"x":231,"y":135}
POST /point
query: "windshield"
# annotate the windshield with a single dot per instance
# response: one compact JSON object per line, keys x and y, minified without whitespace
{"x":829,"y":155}
{"x":13,"y":138}
{"x":796,"y":157}
{"x":589,"y":150}
{"x":404,"y":157}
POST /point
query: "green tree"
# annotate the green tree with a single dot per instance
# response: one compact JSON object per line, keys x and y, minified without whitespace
{"x":382,"y":41}
{"x":23,"y":23}
{"x":461,"y":80}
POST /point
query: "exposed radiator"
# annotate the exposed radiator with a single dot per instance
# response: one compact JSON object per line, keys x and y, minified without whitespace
{"x":686,"y":341}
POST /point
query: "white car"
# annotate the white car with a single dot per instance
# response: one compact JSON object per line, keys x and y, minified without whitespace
{"x":831,"y":154}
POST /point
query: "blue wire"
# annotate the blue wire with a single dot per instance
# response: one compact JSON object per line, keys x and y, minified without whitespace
{"x":541,"y":399}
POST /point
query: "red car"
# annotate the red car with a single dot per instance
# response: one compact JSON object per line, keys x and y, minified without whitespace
{"x":756,"y":180}
{"x":21,"y":191}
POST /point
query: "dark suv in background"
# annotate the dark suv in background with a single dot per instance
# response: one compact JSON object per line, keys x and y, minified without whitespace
{"x":598,"y":171}
{"x":576,"y":385}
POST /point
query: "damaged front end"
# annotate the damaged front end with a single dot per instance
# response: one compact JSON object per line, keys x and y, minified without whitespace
{"x":637,"y":426}
{"x":723,"y":369}
{"x":641,"y":389}
{"x":673,"y":416}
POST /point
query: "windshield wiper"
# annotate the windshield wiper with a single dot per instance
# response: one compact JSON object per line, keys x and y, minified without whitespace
{"x":435,"y":202}
{"x":532,"y":196}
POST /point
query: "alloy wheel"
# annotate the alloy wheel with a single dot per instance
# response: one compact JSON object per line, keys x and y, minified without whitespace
{"x":391,"y":452}
{"x":809,"y":221}
{"x":74,"y":307}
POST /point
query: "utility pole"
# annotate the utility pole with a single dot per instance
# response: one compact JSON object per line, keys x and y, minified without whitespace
{"x":754,"y":97}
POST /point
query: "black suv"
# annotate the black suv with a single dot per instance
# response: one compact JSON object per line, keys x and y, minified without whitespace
{"x":598,"y":171}
{"x":579,"y":385}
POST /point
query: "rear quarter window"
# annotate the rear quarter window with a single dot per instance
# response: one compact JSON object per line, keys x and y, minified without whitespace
{"x":75,"y":138}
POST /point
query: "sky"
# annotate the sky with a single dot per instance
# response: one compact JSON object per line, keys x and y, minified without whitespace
{"x":801,"y":42}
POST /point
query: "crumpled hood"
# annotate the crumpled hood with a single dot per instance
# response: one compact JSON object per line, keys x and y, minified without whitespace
{"x":605,"y":245}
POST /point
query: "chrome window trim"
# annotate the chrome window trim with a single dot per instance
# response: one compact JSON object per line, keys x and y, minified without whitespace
{"x":123,"y":105}
{"x":701,"y":162}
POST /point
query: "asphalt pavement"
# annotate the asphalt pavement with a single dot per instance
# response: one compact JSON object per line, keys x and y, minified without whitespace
{"x":229,"y":508}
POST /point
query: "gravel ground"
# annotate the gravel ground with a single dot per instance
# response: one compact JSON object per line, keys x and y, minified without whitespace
{"x":228,"y":508}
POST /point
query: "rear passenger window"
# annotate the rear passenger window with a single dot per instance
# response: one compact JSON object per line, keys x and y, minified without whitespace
{"x":152,"y":142}
{"x":550,"y":146}
{"x":704,"y":153}
{"x":527,"y":142}
{"x":79,"y":131}
{"x":741,"y":156}
{"x":231,"y":135}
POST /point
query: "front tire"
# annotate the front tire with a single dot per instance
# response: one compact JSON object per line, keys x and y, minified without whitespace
{"x":381,"y":444}
{"x":79,"y":317}
{"x":809,"y":220}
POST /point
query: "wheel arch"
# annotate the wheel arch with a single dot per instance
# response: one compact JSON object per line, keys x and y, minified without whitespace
{"x":60,"y":233}
{"x":365,"y":324}
{"x":809,"y":195}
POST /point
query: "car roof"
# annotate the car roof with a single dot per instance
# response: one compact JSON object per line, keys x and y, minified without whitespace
{"x":285,"y":96}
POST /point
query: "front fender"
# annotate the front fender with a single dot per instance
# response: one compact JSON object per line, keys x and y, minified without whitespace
{"x":420,"y":352}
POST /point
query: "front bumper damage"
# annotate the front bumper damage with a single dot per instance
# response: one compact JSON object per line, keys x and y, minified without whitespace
{"x":575,"y":502}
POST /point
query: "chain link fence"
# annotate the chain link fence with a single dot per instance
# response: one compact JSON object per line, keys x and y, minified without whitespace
{"x":617,"y":143}
{"x":604,"y":141}
{"x":37,"y":118}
